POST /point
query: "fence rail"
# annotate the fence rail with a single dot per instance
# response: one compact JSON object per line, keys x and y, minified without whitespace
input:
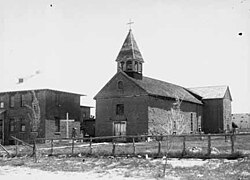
{"x":155,"y":144}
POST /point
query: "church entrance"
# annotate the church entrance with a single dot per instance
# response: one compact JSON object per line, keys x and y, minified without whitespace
{"x":120,"y":128}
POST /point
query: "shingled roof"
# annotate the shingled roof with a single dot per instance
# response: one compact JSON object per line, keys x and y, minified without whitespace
{"x":129,"y":49}
{"x":165,"y":89}
{"x":210,"y":92}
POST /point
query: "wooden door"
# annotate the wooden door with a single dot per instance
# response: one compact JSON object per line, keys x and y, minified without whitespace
{"x":120,"y":128}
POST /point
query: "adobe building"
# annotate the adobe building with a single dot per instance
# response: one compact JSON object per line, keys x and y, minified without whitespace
{"x":242,"y":120}
{"x":132,"y":104}
{"x":88,"y":122}
{"x":40,"y":111}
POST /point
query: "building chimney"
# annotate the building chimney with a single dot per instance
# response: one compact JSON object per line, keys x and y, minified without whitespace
{"x":20,"y":80}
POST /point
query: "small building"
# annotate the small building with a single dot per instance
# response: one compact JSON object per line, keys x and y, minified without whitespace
{"x":216,"y":108}
{"x":39,"y":112}
{"x":87,"y":122}
{"x":242,"y":120}
{"x":133,"y":104}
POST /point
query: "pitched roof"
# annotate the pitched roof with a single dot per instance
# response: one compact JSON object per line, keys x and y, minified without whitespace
{"x":165,"y":89}
{"x":210,"y":92}
{"x":39,"y":82}
{"x":129,"y":50}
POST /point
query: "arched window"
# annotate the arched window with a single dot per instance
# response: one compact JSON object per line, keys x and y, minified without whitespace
{"x":129,"y":66}
{"x":120,"y":85}
{"x":139,"y":67}
{"x":136,"y":66}
{"x":122,"y":65}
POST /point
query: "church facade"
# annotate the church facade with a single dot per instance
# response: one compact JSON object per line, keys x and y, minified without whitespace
{"x":132,"y":104}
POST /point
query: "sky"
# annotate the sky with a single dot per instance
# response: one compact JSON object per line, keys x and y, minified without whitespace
{"x":74,"y":43}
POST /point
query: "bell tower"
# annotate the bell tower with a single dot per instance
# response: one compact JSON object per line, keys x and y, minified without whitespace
{"x":129,"y":59}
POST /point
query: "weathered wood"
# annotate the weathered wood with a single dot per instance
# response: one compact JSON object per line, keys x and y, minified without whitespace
{"x":90,"y":146}
{"x":19,"y":140}
{"x":5,"y":149}
{"x":232,"y":143}
{"x":113,"y":149}
{"x":159,"y":147}
{"x":209,"y":145}
{"x":140,"y":136}
{"x":134,"y":146}
{"x":16,"y":147}
{"x":51,"y":149}
{"x":73,"y":142}
{"x":184,"y":146}
{"x":34,"y":151}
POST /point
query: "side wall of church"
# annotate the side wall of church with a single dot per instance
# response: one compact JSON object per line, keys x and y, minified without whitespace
{"x":159,"y":111}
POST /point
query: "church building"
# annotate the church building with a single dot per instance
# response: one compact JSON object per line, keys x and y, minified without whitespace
{"x":132,"y":104}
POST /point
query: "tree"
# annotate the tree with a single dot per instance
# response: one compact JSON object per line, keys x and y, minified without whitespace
{"x":171,"y":122}
{"x":35,"y":115}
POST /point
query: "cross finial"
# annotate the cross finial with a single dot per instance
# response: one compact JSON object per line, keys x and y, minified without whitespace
{"x":130,"y":23}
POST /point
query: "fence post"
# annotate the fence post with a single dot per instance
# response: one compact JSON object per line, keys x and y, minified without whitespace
{"x":113,"y":150}
{"x":16,"y":146}
{"x":184,"y":146}
{"x":159,"y":148}
{"x":134,"y":146}
{"x":232,"y":143}
{"x":51,"y":150}
{"x":73,"y":141}
{"x":209,"y":145}
{"x":34,"y":151}
{"x":90,"y":146}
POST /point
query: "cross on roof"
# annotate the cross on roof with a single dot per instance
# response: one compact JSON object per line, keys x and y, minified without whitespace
{"x":130,"y":23}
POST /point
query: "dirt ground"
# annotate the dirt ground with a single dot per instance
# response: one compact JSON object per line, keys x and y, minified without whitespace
{"x":122,"y":168}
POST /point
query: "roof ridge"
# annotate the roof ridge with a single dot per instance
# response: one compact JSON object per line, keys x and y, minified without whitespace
{"x":209,"y":86}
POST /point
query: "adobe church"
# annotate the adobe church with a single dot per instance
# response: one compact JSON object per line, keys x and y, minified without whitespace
{"x":132,"y":104}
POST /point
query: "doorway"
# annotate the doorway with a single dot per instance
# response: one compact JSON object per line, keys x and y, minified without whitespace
{"x":120,"y":128}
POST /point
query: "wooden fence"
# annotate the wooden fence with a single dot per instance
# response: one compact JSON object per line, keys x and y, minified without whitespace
{"x":136,"y":144}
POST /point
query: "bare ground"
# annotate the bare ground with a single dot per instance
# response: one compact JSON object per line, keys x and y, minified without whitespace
{"x":122,"y":168}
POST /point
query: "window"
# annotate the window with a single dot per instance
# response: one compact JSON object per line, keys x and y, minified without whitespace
{"x":191,"y":121}
{"x":57,"y":124}
{"x":22,"y":125}
{"x":120,"y":85}
{"x":84,"y":115}
{"x":140,"y":67}
{"x":12,"y":125}
{"x":136,"y":66}
{"x":129,"y":65}
{"x":12,"y":101}
{"x":22,"y":100}
{"x":121,"y":65}
{"x":1,"y":104}
{"x":119,"y":109}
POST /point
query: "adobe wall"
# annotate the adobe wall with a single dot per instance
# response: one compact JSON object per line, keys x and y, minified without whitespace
{"x":242,"y":120}
{"x":19,"y":112}
{"x":135,"y":115}
{"x":51,"y":129}
{"x":159,"y":110}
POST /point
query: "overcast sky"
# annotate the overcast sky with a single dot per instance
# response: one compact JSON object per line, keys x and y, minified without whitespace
{"x":74,"y":43}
